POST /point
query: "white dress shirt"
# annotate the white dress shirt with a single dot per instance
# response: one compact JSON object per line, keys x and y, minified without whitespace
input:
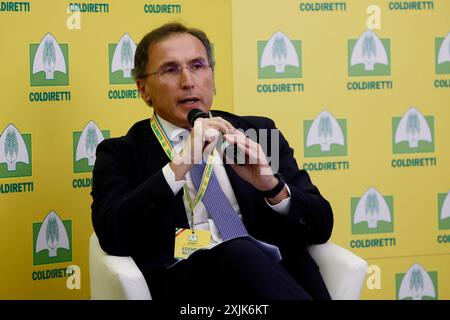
{"x":202,"y":219}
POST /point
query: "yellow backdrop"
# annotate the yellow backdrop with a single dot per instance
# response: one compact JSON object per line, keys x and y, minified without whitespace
{"x":360,"y":89}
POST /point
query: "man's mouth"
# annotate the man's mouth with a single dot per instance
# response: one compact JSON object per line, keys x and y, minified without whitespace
{"x":189,"y":100}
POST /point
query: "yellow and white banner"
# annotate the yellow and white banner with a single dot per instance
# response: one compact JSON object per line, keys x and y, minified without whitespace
{"x":360,"y":89}
{"x":66,"y":86}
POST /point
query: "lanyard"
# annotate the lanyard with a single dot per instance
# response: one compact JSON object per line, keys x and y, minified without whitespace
{"x":168,"y":149}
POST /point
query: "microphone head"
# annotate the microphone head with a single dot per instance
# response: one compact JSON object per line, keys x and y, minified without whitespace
{"x":194,"y":114}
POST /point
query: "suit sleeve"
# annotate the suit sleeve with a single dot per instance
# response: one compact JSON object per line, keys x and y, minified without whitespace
{"x":123,"y":208}
{"x":310,"y":218}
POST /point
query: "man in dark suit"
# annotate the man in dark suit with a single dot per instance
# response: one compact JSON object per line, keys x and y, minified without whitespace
{"x":143,"y":186}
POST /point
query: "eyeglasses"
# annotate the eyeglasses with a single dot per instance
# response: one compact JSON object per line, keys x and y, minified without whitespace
{"x":171,"y":71}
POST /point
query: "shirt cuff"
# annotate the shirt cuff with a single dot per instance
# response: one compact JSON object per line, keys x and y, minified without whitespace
{"x":284,"y":206}
{"x":171,"y":181}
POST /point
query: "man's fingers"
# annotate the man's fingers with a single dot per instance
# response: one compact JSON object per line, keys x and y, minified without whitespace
{"x":249,"y":147}
{"x":239,"y":137}
{"x":228,"y":125}
{"x":216,"y":123}
{"x":211,"y":134}
{"x":252,"y":154}
{"x":221,"y":126}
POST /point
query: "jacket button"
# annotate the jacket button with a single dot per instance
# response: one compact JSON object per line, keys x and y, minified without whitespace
{"x":302,"y":221}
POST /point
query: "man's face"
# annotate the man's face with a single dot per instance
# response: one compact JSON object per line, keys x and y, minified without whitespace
{"x":173,"y":97}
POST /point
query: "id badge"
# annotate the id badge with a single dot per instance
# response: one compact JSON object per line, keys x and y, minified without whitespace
{"x":187,"y":241}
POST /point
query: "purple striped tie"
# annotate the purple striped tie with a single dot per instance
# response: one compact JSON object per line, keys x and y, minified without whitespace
{"x":224,"y":216}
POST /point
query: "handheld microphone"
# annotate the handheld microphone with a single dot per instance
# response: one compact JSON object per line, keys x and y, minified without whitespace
{"x":194,"y":114}
{"x":227,"y":147}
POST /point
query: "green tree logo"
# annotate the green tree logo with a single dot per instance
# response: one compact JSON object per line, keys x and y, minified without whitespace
{"x":369,"y":55}
{"x":369,"y":51}
{"x":52,"y":236}
{"x":416,"y":284}
{"x":325,"y":136}
{"x":126,"y":57}
{"x":15,"y":153}
{"x":416,"y":281}
{"x":49,"y":65}
{"x":11,"y":149}
{"x":85,"y":145}
{"x":52,"y":240}
{"x":121,"y":60}
{"x":372,"y":213}
{"x":279,"y":53}
{"x":372,"y":207}
{"x":413,"y":124}
{"x":279,"y":57}
{"x":413,"y":132}
{"x":325,"y":127}
{"x":91,"y":143}
{"x":49,"y":59}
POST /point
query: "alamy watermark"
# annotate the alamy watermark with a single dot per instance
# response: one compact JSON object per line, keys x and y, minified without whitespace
{"x":249,"y":147}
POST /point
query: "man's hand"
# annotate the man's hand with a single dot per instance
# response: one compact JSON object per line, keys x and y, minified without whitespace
{"x":257,"y":170}
{"x":200,"y":144}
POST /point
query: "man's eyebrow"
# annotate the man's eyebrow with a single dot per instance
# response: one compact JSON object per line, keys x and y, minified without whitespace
{"x":169,"y":62}
{"x":198,"y":59}
{"x":166,"y":63}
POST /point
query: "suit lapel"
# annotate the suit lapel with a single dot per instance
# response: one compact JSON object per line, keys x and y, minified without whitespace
{"x":155,"y":157}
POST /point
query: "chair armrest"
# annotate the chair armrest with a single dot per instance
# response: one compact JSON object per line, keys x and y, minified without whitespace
{"x":342,"y":271}
{"x":113,"y":277}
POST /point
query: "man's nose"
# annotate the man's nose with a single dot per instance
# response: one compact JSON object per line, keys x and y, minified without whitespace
{"x":186,"y":79}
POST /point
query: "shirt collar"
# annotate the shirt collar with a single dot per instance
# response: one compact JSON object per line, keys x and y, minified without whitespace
{"x":174,"y":133}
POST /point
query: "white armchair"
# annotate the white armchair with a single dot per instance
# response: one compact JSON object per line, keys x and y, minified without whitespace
{"x":113,"y":277}
{"x":119,"y":278}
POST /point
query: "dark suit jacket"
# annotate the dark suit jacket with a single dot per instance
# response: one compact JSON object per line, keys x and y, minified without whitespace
{"x":134,"y":211}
